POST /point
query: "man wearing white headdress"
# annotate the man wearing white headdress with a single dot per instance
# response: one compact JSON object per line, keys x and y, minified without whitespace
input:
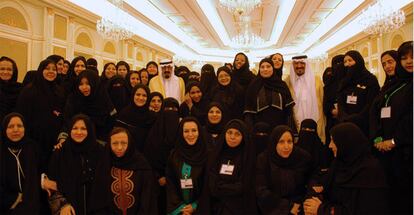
{"x":167,"y":83}
{"x":307,"y":91}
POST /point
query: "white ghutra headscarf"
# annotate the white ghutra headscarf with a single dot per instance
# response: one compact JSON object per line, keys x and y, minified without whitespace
{"x":305,"y":92}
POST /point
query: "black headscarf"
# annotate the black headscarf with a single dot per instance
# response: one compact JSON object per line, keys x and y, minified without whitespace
{"x":183,"y":72}
{"x":163,"y":135}
{"x":49,"y":88}
{"x":150,"y":76}
{"x":309,"y":139}
{"x":296,"y":154}
{"x":354,"y":166}
{"x":279,"y":71}
{"x":195,"y":155}
{"x":328,"y":76}
{"x":154,"y":94}
{"x":389,"y":79}
{"x":9,"y":90}
{"x":208,"y":80}
{"x":246,"y":151}
{"x":243,"y":75}
{"x":119,"y":92}
{"x":355,"y":73}
{"x":216,"y":128}
{"x":72,"y":76}
{"x":273,"y":83}
{"x":103,"y":77}
{"x":137,"y":115}
{"x":131,"y":160}
{"x":261,"y":133}
{"x":4,"y":139}
{"x":65,"y":166}
{"x":193,"y":77}
{"x":28,"y":160}
{"x":128,"y":77}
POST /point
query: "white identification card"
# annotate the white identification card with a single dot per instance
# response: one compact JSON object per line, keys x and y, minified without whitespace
{"x":385,"y":112}
{"x":351,"y":100}
{"x":186,"y":183}
{"x":227,"y":169}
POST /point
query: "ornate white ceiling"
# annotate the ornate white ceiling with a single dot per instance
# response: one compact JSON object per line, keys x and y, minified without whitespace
{"x":201,"y":29}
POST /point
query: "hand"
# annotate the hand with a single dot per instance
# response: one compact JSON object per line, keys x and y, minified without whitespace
{"x":59,"y":145}
{"x":384,"y":146}
{"x":50,"y":186}
{"x":162,"y":181}
{"x":334,"y":113}
{"x":295,"y":209}
{"x":318,"y":189}
{"x":188,"y":209}
{"x":188,"y":101}
{"x":67,"y":210}
{"x":311,"y":206}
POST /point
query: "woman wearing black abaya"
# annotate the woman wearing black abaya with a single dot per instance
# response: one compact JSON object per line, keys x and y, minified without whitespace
{"x":186,"y":168}
{"x":109,"y":71}
{"x":208,"y":81}
{"x":19,"y":175}
{"x":356,"y":181}
{"x":91,"y":99}
{"x":152,"y":69}
{"x":73,"y":168}
{"x":119,"y":92}
{"x":230,"y":172}
{"x":137,"y":117}
{"x":216,"y":119}
{"x":260,"y":136}
{"x":389,"y":64}
{"x":241,"y":72}
{"x":195,"y":103}
{"x":77,"y":66}
{"x":125,"y":182}
{"x":391,"y":125}
{"x":278,"y":62}
{"x":356,"y":91}
{"x":41,"y":104}
{"x":229,"y":93}
{"x":268,"y":98}
{"x":9,"y":87}
{"x":160,"y":142}
{"x":310,"y":142}
{"x":281,"y":174}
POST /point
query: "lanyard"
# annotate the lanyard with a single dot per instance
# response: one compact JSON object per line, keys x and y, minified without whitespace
{"x":388,"y":97}
{"x":186,"y":173}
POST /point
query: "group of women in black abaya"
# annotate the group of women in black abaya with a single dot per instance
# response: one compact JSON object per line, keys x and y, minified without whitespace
{"x":76,"y":143}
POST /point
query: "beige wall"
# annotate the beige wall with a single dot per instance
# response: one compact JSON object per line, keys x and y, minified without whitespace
{"x":31,"y":30}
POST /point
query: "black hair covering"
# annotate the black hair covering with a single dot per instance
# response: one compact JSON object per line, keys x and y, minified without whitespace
{"x":4,"y":139}
{"x":356,"y":72}
{"x":260,"y":136}
{"x":273,"y":83}
{"x":308,"y":139}
{"x":128,"y":77}
{"x":216,"y":128}
{"x":243,"y":75}
{"x":208,"y":80}
{"x":195,"y":155}
{"x":66,"y":166}
{"x":279,"y":71}
{"x":28,"y":160}
{"x":193,"y":77}
{"x":327,"y":76}
{"x":9,"y":90}
{"x":49,"y":88}
{"x":70,"y":82}
{"x":246,"y":150}
{"x":389,"y":79}
{"x":55,"y":58}
{"x":183,"y":72}
{"x":354,"y":166}
{"x":163,"y":135}
{"x":154,"y":94}
{"x":71,"y":72}
{"x":119,"y":92}
{"x":123,"y":63}
{"x":150,"y":76}
{"x":103,"y":75}
{"x":402,"y":74}
{"x":295,"y":155}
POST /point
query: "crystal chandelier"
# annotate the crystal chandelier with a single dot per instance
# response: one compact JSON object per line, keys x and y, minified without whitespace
{"x":240,"y":6}
{"x":382,"y":18}
{"x":246,"y":40}
{"x":114,"y":26}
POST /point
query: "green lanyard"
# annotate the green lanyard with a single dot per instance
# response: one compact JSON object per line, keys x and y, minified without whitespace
{"x":388,"y":97}
{"x":185,"y":174}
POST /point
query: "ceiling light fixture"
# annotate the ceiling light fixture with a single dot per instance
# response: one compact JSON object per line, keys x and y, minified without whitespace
{"x":114,"y":26}
{"x":246,"y":40}
{"x":382,"y":18}
{"x":240,"y":6}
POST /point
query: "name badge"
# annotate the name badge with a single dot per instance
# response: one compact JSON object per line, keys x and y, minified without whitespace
{"x":227,"y":169}
{"x":186,"y":183}
{"x":351,"y":100}
{"x":385,"y":112}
